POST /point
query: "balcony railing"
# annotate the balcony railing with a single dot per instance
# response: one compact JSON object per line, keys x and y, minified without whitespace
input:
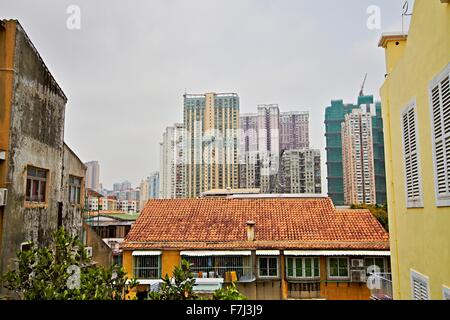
{"x":230,"y":268}
{"x":380,"y":286}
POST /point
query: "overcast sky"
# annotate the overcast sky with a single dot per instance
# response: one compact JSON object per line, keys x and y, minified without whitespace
{"x":125,"y":70}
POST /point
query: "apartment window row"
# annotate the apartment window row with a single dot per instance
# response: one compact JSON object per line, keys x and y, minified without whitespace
{"x":439,"y":92}
{"x":37,"y":182}
{"x":239,"y":268}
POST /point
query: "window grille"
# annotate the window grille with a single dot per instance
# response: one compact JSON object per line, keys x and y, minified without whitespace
{"x":230,"y":268}
{"x":147,"y":267}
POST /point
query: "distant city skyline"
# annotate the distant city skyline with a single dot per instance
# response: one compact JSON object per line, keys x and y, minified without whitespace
{"x":271,"y":53}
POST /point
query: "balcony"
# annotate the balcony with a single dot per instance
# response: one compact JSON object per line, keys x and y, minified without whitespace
{"x":228,"y":268}
{"x":380,"y":285}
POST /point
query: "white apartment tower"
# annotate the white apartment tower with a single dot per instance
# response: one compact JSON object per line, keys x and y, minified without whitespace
{"x":300,"y":171}
{"x":93,"y":175}
{"x":171,"y":184}
{"x":357,"y":158}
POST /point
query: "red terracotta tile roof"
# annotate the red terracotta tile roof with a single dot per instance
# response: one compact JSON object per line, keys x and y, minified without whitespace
{"x":301,"y":223}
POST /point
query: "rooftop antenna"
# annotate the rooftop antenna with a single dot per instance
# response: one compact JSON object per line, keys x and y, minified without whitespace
{"x":361,"y":92}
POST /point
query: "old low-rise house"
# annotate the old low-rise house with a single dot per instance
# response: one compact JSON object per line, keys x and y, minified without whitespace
{"x":41,"y":179}
{"x":111,"y":227}
{"x":272,"y":246}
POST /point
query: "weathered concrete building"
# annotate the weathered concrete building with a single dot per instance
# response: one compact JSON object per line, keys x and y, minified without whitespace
{"x":43,"y":180}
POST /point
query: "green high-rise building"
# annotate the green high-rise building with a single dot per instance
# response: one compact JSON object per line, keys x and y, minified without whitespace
{"x":334,"y":116}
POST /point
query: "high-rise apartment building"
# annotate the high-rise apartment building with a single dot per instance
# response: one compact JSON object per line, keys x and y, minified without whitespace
{"x":334,"y":117}
{"x":269,"y":132}
{"x":211,"y":122}
{"x":172,"y":179}
{"x":300,"y":172}
{"x":357,"y":158}
{"x":249,"y":169}
{"x":93,"y":175}
{"x":294,"y":130}
{"x":260,"y":148}
{"x":153,"y":181}
{"x":144,"y":189}
{"x":268,"y":145}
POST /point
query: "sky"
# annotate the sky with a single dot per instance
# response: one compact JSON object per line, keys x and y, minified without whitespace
{"x":126,"y":68}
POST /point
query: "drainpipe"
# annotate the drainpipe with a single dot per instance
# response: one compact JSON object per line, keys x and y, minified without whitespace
{"x":251,"y":238}
{"x":283,"y":276}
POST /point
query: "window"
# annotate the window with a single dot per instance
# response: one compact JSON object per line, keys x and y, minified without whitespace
{"x":268,"y":267}
{"x":226,"y":267}
{"x":147,"y":267}
{"x":411,"y":157}
{"x":440,"y":123}
{"x":26,"y":246}
{"x":376,"y":261}
{"x":74,"y":189}
{"x":338,"y":268}
{"x":419,"y":286}
{"x":303,"y":267}
{"x":36,"y":184}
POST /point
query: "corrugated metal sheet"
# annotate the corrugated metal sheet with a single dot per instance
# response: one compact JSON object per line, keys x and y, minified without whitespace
{"x":198,"y":253}
{"x":146,"y":253}
{"x":336,"y":253}
{"x":267,"y":252}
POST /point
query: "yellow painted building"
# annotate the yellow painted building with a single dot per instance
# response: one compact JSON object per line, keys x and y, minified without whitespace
{"x":416,"y":115}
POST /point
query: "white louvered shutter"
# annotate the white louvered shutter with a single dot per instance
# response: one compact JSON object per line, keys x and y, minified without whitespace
{"x":446,"y":293}
{"x":411,"y":157}
{"x":440,"y":107}
{"x":419,"y":287}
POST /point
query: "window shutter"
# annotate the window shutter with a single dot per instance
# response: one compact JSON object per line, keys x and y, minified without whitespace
{"x":440,"y":108}
{"x":411,"y":156}
{"x":419,"y":286}
{"x":445,"y":293}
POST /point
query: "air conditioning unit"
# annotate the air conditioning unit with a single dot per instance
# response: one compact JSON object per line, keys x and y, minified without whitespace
{"x":358,"y":276}
{"x":3,"y":196}
{"x":88,"y":251}
{"x":357,"y":263}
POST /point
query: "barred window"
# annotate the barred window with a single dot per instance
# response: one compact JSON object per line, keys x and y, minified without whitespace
{"x":147,"y":267}
{"x":230,"y":268}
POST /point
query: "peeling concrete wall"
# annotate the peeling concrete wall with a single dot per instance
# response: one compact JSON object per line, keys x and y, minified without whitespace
{"x":72,"y":215}
{"x":36,"y":138}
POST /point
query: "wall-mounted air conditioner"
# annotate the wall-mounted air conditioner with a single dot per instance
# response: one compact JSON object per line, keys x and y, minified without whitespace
{"x":3,"y":196}
{"x":357,"y":263}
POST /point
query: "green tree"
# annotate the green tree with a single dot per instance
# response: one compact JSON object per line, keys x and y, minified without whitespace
{"x":380,"y":212}
{"x":63,"y":271}
{"x":179,"y":287}
{"x":229,"y":293}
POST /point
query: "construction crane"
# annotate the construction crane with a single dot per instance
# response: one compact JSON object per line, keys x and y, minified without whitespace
{"x":361,"y":92}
